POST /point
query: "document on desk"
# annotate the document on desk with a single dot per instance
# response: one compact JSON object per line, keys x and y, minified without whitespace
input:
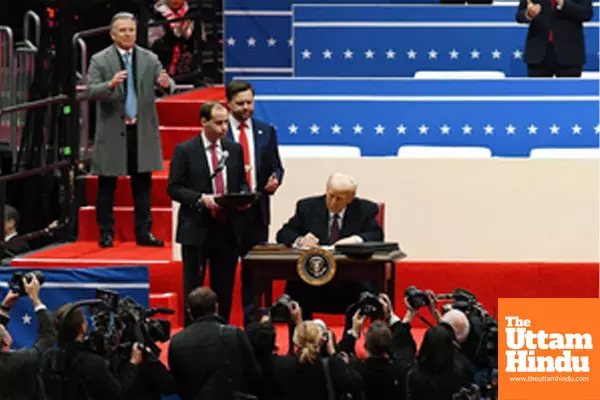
{"x":327,"y":248}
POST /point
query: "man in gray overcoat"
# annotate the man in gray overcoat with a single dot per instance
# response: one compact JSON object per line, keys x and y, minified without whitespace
{"x":124,"y":79}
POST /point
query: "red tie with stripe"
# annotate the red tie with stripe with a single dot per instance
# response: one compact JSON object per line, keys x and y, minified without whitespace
{"x":550,"y":34}
{"x":247,"y":164}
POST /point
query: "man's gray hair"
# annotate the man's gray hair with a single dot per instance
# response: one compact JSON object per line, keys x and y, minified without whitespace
{"x":342,"y":182}
{"x":121,"y":15}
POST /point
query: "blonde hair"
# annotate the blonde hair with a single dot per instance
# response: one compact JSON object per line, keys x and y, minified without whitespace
{"x":307,"y":336}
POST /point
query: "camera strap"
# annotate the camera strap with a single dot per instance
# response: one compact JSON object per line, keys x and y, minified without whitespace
{"x":329,"y":383}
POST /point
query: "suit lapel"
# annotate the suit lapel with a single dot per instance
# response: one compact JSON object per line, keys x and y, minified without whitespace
{"x":230,"y":184}
{"x":115,"y":63}
{"x":204,"y":161}
{"x":350,"y":218}
{"x":322,"y":216}
{"x":139,"y":65}
{"x":258,"y":145}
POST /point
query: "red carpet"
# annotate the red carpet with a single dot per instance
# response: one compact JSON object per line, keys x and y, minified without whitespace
{"x":179,"y":119}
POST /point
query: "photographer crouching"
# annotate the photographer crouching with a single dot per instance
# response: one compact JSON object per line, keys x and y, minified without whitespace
{"x":19,"y":370}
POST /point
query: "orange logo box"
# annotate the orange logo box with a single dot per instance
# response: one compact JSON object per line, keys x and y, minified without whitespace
{"x":549,"y":349}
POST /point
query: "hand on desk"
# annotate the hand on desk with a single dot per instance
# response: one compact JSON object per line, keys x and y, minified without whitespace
{"x":308,"y":241}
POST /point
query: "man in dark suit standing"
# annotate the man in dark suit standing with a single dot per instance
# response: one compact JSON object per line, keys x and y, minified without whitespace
{"x":264,"y":174}
{"x":19,"y":370}
{"x":338,"y":217}
{"x":555,"y":41}
{"x":202,"y":169}
{"x":124,"y":78}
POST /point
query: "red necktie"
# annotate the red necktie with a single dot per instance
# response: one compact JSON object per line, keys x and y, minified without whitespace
{"x":334,"y":232}
{"x":247,"y":164}
{"x":219,"y":183}
{"x":550,"y":34}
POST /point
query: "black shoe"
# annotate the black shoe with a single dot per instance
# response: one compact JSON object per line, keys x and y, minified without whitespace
{"x":150,"y":241}
{"x":106,"y":240}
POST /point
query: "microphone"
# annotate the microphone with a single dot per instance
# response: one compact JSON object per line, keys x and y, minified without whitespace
{"x":221,"y":165}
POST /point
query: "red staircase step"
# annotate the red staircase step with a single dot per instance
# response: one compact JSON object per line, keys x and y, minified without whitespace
{"x":184,"y":109}
{"x":171,"y":136}
{"x":123,"y":197}
{"x":124,"y":225}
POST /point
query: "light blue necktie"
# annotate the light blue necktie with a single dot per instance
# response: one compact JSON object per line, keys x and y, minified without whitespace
{"x":130,"y":101}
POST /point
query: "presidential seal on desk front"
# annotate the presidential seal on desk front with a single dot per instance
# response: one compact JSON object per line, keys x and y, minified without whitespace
{"x":316,"y":266}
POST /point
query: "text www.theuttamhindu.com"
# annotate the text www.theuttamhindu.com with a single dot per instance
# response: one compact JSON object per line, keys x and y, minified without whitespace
{"x":549,"y":379}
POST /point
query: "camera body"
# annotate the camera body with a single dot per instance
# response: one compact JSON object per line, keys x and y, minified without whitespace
{"x":280,"y":311}
{"x":416,"y":298}
{"x":118,"y":323}
{"x":369,"y":305}
{"x":15,"y":284}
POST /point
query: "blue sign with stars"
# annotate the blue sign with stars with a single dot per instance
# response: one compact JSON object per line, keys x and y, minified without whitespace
{"x":509,"y":116}
{"x":66,"y":285}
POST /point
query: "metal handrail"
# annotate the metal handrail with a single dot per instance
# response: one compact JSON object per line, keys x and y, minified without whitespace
{"x":31,"y":15}
{"x":61,"y":98}
{"x":11,"y":88}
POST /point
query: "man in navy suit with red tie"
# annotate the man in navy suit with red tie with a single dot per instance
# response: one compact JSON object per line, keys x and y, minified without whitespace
{"x":202,"y":169}
{"x":264,"y":173}
{"x":555,"y":41}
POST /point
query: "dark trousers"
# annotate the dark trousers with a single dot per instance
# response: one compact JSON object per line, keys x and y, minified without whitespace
{"x":549,"y":68}
{"x":221,"y":251}
{"x":255,"y":232}
{"x":141,"y":189}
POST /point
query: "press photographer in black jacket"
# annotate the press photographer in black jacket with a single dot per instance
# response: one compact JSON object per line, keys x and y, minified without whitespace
{"x":390,"y":351}
{"x":19,"y":378}
{"x":81,"y":373}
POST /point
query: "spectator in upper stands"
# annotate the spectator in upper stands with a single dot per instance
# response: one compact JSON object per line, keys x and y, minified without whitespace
{"x":124,"y":79}
{"x":210,"y":359}
{"x":11,"y":224}
{"x":175,"y":43}
{"x":555,"y":41}
{"x":264,"y":173}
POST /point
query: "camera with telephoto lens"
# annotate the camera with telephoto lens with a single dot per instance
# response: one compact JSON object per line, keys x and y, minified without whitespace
{"x":16,"y":282}
{"x":118,"y":323}
{"x":416,"y":298}
{"x":280,"y":311}
{"x":370,"y":305}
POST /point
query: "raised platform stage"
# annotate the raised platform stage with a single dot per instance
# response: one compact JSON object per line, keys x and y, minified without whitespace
{"x":179,"y":117}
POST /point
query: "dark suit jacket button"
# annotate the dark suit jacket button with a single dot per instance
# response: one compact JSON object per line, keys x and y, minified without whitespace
{"x":122,"y":133}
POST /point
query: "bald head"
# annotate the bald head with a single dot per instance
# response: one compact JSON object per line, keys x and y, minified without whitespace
{"x":340,"y":191}
{"x":459,"y":323}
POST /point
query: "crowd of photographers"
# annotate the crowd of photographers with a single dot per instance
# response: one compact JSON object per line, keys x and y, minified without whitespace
{"x":209,"y":359}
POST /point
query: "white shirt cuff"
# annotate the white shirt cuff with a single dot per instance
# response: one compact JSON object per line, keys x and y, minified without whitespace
{"x":352,"y":333}
{"x":40,"y":307}
{"x":393,"y":319}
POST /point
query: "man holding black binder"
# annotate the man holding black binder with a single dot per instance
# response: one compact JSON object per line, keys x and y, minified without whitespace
{"x":202,"y":170}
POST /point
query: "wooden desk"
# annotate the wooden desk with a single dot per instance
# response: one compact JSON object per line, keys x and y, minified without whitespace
{"x":279,"y":263}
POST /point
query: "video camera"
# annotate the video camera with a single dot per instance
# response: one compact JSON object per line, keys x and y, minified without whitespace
{"x":15,"y":284}
{"x":118,"y":323}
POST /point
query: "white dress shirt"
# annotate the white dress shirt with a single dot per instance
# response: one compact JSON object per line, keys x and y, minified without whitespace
{"x":10,"y":236}
{"x":235,"y":131}
{"x":208,"y":151}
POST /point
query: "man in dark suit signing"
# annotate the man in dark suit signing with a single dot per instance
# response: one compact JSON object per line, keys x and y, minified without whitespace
{"x":124,"y":79}
{"x":555,"y":41}
{"x":202,"y":169}
{"x":264,"y":174}
{"x":338,"y":217}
